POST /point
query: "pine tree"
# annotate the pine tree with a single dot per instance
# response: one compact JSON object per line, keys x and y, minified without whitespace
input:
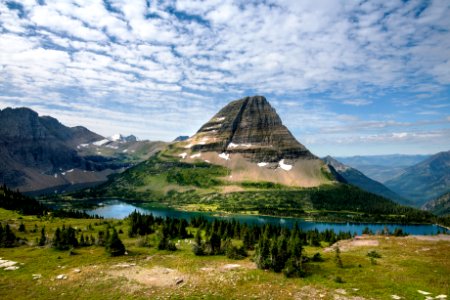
{"x":248,"y":241}
{"x":198,"y":247}
{"x":114,"y":245}
{"x":22,"y":227}
{"x":43,"y":238}
{"x":215,"y":242}
{"x":7,"y":237}
{"x":294,"y":264}
{"x":337,"y":258}
{"x":262,"y":253}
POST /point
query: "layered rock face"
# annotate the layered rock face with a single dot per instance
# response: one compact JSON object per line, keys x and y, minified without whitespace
{"x":28,"y":140}
{"x":251,"y":127}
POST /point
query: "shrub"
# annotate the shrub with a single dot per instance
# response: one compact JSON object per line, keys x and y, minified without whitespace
{"x":338,"y":279}
{"x":317,"y":257}
{"x":374,"y":254}
{"x":234,"y":252}
{"x":293,"y":268}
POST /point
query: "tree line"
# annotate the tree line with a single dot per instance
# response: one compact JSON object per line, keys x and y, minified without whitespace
{"x":16,"y":201}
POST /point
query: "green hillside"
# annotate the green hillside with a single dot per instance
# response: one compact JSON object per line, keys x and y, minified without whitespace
{"x":164,"y":180}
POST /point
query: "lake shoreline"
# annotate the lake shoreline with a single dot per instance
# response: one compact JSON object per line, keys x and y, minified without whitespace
{"x":119,"y":209}
{"x":223,"y":214}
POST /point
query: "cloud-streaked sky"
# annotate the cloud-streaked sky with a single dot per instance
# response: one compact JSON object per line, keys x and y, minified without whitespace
{"x":346,"y":77}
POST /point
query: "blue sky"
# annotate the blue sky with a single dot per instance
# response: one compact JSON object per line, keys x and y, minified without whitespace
{"x":347,"y":77}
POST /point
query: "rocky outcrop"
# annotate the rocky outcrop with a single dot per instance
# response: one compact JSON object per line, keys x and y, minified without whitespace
{"x":251,"y":127}
{"x":40,"y":153}
{"x":27,"y":140}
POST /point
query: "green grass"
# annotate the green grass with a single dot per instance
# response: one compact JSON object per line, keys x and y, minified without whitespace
{"x":406,"y":265}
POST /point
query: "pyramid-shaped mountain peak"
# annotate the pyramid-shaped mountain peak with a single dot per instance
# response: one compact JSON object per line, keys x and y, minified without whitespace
{"x":249,"y":126}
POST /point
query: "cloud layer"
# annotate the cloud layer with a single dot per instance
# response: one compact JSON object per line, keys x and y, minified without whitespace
{"x":159,"y":69}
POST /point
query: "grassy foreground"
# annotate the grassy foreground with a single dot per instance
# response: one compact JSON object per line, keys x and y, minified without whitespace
{"x":407,"y":264}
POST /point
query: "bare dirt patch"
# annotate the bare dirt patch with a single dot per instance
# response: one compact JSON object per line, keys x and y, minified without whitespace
{"x":431,"y":238}
{"x":347,"y":245}
{"x":156,"y":276}
{"x":309,"y":292}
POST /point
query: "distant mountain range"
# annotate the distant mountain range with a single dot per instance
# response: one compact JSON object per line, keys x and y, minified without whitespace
{"x":424,"y":181}
{"x":243,"y":148}
{"x":382,"y":167}
{"x":40,"y":153}
{"x":357,"y":178}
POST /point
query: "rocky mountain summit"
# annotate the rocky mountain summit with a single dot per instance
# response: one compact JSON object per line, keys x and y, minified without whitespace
{"x":251,"y":127}
{"x":248,"y":137}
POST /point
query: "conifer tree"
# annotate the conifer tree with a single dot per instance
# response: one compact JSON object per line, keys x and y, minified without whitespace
{"x":43,"y":238}
{"x":114,"y":245}
{"x":262,"y":253}
{"x":337,"y":258}
{"x":215,"y":242}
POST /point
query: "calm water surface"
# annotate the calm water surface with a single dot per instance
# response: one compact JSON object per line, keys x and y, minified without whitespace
{"x":117,"y":209}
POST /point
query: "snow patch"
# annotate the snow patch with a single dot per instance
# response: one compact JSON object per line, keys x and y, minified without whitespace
{"x":112,"y":147}
{"x":262,"y":164}
{"x":125,"y":151}
{"x":233,"y":145}
{"x":284,"y":166}
{"x":224,"y":155}
{"x":220,"y":119}
{"x":183,"y":155}
{"x":8,"y":265}
{"x":441,"y":297}
{"x":423,"y":292}
{"x":396,"y":297}
{"x":195,"y":155}
{"x":213,"y":127}
{"x":63,"y":173}
{"x":207,"y":161}
{"x":70,"y":171}
{"x":188,"y":146}
{"x":116,"y":137}
{"x":101,"y":142}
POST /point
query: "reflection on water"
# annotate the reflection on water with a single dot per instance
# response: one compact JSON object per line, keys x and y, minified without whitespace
{"x":117,"y":209}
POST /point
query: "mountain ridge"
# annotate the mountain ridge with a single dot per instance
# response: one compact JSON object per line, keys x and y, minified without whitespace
{"x":359,"y":179}
{"x":424,"y":181}
{"x":439,"y":206}
{"x":38,"y":153}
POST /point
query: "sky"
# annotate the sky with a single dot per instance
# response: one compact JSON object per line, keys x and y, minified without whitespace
{"x":346,"y":77}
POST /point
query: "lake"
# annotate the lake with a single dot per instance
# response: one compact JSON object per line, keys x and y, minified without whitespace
{"x":117,"y":209}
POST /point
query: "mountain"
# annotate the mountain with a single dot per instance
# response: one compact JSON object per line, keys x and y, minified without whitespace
{"x":247,"y":137}
{"x":181,"y":138}
{"x":439,"y":206}
{"x":357,"y":178}
{"x":382,"y":167}
{"x":424,"y":181}
{"x":39,"y":153}
{"x":244,"y":160}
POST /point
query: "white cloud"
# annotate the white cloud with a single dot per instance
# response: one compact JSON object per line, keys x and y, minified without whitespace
{"x":357,"y":102}
{"x":141,"y":55}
